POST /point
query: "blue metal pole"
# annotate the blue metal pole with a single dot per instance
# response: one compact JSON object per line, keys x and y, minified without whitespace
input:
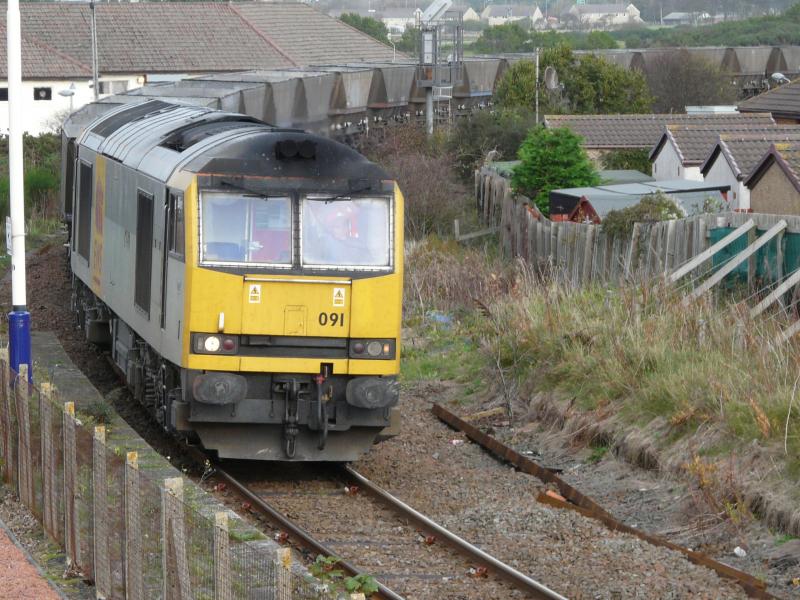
{"x":19,"y":320}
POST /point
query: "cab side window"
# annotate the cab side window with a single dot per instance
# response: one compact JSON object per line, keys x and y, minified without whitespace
{"x":176,"y":230}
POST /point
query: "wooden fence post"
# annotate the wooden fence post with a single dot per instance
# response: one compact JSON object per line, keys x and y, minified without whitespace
{"x":48,"y":459}
{"x":222,"y":557}
{"x":283,"y":574}
{"x":25,"y":450}
{"x":173,"y":532}
{"x":6,"y":420}
{"x":102,"y":567}
{"x":133,"y":531}
{"x":71,"y":533}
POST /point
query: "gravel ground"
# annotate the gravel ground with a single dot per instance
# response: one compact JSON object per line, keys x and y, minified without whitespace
{"x":456,"y":483}
{"x":372,"y":537}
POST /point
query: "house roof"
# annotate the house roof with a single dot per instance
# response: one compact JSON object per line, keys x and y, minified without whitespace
{"x":743,"y":150}
{"x":692,"y":142}
{"x":635,"y":130}
{"x":184,"y":37}
{"x":783,"y":100}
{"x":784,"y":154}
{"x":600,"y":9}
{"x":514,"y":10}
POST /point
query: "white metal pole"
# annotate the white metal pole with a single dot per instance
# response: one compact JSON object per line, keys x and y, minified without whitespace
{"x":19,"y":318}
{"x":95,"y":67}
{"x":429,"y":110}
{"x":537,"y":86}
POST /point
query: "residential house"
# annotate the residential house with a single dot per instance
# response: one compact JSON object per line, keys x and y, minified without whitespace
{"x":734,"y":157}
{"x":605,"y":133}
{"x":398,"y":19}
{"x":678,"y":18}
{"x":137,"y":43}
{"x":468,"y":13}
{"x":682,"y":149}
{"x":603,"y":16}
{"x":782,"y":102}
{"x":775,"y":181}
{"x":500,"y":14}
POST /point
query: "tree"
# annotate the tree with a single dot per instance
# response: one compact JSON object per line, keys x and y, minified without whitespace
{"x":551,"y":159}
{"x":678,"y":79}
{"x":517,"y":88}
{"x":593,"y":85}
{"x":409,"y":42}
{"x":372,"y":27}
{"x":634,"y":158}
{"x":502,"y":131}
{"x":503,"y":38}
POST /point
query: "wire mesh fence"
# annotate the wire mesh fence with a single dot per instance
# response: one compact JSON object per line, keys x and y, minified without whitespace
{"x":138,"y":532}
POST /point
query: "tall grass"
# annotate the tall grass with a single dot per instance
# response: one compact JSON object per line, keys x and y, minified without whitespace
{"x":636,"y":353}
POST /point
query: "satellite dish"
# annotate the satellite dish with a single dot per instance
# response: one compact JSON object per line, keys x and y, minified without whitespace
{"x":780,"y":78}
{"x":550,"y":78}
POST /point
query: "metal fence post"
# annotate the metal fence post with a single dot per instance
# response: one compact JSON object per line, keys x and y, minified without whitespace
{"x":175,"y":565}
{"x":71,"y":532}
{"x":102,"y":571}
{"x":222,"y":558}
{"x":133,"y":534}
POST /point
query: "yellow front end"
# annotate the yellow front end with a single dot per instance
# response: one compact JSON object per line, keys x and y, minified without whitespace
{"x":331,"y":306}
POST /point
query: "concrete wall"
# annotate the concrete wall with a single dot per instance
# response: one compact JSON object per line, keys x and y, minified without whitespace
{"x":775,"y":194}
{"x":42,"y":116}
{"x":721,"y":173}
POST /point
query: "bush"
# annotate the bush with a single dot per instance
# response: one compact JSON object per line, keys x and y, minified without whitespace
{"x":551,"y":159}
{"x":636,"y":159}
{"x":650,"y":209}
{"x":426,"y":174}
{"x":503,"y":131}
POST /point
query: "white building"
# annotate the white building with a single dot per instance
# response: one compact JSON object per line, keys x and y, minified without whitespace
{"x":397,"y":19}
{"x":500,"y":14}
{"x":139,"y":42}
{"x":604,"y":15}
{"x":682,"y":150}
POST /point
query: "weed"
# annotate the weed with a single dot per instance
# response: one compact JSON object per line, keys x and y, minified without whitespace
{"x":783,"y":538}
{"x":597,"y":454}
{"x":327,"y":570}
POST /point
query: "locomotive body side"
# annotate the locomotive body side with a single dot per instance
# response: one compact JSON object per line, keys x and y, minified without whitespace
{"x":248,"y":280}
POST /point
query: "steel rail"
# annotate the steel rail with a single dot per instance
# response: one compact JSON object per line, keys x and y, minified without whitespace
{"x":507,"y":572}
{"x":575,"y":500}
{"x":294,"y":530}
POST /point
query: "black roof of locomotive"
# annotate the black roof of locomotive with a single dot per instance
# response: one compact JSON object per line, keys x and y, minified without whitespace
{"x":157,"y":138}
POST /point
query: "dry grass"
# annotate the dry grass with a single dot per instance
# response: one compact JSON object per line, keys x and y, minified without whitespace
{"x":704,"y":390}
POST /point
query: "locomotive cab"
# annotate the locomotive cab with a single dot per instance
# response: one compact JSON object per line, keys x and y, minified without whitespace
{"x":263,"y":305}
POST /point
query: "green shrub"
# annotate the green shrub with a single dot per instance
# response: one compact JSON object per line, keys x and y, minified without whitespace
{"x":635,"y":158}
{"x":650,"y":209}
{"x":551,"y":159}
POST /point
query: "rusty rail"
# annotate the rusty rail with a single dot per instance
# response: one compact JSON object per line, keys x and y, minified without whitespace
{"x":575,"y":500}
{"x":507,"y":572}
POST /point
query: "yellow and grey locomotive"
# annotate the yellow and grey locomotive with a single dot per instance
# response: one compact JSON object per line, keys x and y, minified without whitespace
{"x":247,"y":279}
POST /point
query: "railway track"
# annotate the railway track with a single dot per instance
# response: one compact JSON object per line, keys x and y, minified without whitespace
{"x":341,"y":513}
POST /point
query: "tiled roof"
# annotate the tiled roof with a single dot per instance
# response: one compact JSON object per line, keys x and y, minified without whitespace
{"x":743,"y":150}
{"x":693,"y":142}
{"x":42,"y":61}
{"x":786,"y":155}
{"x":783,"y":100}
{"x":636,"y":131}
{"x":184,"y":37}
{"x":311,"y":37}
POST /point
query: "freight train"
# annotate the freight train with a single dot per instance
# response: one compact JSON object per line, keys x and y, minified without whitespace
{"x":247,"y":279}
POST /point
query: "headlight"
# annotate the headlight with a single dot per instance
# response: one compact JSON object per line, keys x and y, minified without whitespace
{"x":211,"y":344}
